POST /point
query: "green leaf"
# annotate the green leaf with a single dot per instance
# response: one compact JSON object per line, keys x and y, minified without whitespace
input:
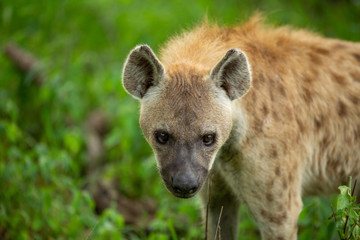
{"x":353,"y":214}
{"x":72,"y":141}
{"x":343,"y":200}
{"x":13,"y":132}
{"x":356,"y":231}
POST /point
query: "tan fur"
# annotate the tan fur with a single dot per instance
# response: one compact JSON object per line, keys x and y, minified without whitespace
{"x":295,"y":133}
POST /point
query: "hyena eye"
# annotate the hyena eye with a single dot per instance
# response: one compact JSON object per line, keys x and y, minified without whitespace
{"x":161,"y":137}
{"x":208,"y":139}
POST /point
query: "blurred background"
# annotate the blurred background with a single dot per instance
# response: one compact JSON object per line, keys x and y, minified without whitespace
{"x":73,"y":161}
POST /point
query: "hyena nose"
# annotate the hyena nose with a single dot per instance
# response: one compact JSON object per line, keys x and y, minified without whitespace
{"x":185,"y":184}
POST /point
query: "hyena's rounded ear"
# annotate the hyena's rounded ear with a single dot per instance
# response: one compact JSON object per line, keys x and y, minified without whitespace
{"x":232,"y":73}
{"x":141,"y":70}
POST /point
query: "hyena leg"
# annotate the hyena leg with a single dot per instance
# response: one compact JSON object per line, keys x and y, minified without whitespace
{"x":219,"y":197}
{"x":275,"y":209}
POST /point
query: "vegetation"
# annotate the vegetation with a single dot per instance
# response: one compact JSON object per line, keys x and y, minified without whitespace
{"x":49,"y":174}
{"x":347,"y":213}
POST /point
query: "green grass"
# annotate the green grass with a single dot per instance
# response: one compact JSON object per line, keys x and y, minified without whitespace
{"x":82,"y":46}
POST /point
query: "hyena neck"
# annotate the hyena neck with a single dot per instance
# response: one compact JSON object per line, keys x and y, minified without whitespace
{"x":232,"y":147}
{"x":239,"y":116}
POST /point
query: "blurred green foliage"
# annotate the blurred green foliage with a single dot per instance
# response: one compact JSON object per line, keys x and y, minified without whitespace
{"x":82,"y":46}
{"x":347,"y":213}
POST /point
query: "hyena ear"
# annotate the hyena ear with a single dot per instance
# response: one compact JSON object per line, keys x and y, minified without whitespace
{"x":142,"y":70}
{"x":232,"y":73}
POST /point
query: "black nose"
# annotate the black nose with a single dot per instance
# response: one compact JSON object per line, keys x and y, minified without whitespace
{"x":185,"y":184}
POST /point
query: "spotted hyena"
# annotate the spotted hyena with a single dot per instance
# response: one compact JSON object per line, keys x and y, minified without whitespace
{"x":272,"y":113}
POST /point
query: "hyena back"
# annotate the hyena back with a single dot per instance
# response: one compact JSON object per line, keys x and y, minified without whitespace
{"x":272,"y":113}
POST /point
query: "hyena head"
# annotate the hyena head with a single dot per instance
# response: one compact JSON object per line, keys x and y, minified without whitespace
{"x":185,"y":112}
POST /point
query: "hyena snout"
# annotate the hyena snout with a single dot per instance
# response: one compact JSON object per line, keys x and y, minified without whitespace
{"x":185,"y":184}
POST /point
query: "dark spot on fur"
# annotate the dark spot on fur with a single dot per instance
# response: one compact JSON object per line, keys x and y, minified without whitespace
{"x":273,"y":152}
{"x":339,"y":46}
{"x":308,"y":80}
{"x":270,"y":183}
{"x":280,"y":238}
{"x":301,"y":126}
{"x":275,"y":116}
{"x":265,"y":110}
{"x":341,"y":109}
{"x":277,"y":218}
{"x":282,"y":218}
{"x":258,"y":124}
{"x":269,"y":197}
{"x":258,"y":81}
{"x":322,"y":51}
{"x":324,"y":143}
{"x":282,"y":90}
{"x":277,"y":171}
{"x":355,"y":76}
{"x":339,"y":79}
{"x":290,"y":177}
{"x":317,"y":124}
{"x":315,"y":59}
{"x":307,"y":95}
{"x":354,"y":99}
{"x":284,"y":183}
{"x":289,"y":200}
{"x":357,"y":56}
{"x":272,"y":84}
{"x":263,"y":213}
{"x":295,"y":165}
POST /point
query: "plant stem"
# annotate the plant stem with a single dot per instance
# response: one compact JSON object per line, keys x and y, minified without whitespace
{"x":219,"y":219}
